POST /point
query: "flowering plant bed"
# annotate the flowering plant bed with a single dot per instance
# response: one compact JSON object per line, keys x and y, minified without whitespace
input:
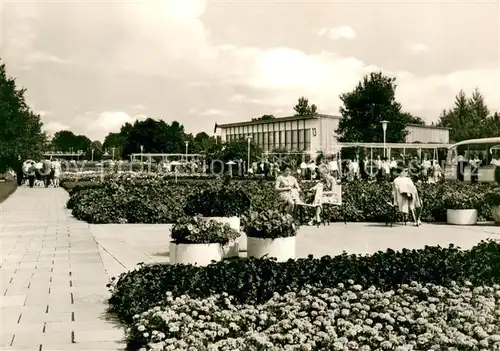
{"x":196,"y":230}
{"x":346,"y":317}
{"x":255,"y":281}
{"x":156,"y":200}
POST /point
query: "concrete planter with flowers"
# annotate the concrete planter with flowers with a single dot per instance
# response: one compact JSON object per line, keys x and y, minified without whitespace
{"x":271,"y":234}
{"x":232,"y":249}
{"x":225,"y":205}
{"x":198,"y":241}
{"x":460,"y":209}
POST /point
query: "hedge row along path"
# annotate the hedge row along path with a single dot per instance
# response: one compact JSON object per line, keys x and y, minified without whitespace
{"x":54,"y":269}
{"x":53,"y":278}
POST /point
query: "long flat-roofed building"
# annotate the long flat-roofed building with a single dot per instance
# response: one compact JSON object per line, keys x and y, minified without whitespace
{"x":310,"y":133}
{"x":295,"y":133}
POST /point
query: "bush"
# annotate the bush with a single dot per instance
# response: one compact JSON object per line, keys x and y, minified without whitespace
{"x":219,"y":200}
{"x":163,"y":201}
{"x":255,"y":281}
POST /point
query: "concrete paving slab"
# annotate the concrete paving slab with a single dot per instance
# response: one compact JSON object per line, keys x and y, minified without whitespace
{"x":41,"y":248}
{"x":13,"y":300}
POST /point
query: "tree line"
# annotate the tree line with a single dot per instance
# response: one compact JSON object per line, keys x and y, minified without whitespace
{"x":370,"y":102}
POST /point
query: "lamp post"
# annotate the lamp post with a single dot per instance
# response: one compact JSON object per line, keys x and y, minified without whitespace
{"x":187,"y":144}
{"x":142,"y":150}
{"x":384,"y":128}
{"x":249,"y":138}
{"x":113,"y":150}
{"x":92,"y":155}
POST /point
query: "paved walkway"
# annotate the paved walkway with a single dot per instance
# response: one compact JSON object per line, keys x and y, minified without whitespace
{"x":53,"y":280}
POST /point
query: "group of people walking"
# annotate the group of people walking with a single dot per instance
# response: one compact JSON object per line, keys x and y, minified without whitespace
{"x":44,"y":173}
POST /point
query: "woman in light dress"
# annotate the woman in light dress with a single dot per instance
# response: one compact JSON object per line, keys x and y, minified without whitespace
{"x":326,"y":183}
{"x":56,"y":165}
{"x":289,"y":189}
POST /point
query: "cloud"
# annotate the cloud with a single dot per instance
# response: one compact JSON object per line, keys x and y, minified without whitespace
{"x":43,"y":57}
{"x":213,"y":112}
{"x":54,"y":126}
{"x":109,"y":121}
{"x":419,"y":49}
{"x":338,"y":33}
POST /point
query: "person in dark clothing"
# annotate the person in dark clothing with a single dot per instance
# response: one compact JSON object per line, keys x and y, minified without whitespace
{"x":19,"y":171}
{"x":460,"y":168}
{"x":415,"y":169}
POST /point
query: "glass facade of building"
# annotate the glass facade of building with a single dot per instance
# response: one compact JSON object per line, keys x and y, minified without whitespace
{"x":291,"y":135}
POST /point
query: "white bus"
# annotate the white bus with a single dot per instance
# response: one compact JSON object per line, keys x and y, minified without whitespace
{"x":487,"y":150}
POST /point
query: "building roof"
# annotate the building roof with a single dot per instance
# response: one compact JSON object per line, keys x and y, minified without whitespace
{"x":426,"y":126}
{"x":273,"y":120}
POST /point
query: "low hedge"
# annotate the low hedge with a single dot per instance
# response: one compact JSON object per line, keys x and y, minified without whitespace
{"x":163,"y":201}
{"x":255,"y":281}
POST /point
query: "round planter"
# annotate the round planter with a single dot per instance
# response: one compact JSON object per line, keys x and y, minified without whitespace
{"x":234,"y":247}
{"x":281,"y":248}
{"x":495,"y":213}
{"x":461,"y":217}
{"x":195,"y":254}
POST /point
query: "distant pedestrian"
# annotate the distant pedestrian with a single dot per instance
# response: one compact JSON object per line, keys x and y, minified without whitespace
{"x":30,"y":171}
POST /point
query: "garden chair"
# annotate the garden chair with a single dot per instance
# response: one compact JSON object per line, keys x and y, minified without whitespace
{"x":321,"y":198}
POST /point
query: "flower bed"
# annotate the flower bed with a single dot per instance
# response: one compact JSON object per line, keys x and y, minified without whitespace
{"x":414,"y":317}
{"x":132,"y":200}
{"x":408,"y":300}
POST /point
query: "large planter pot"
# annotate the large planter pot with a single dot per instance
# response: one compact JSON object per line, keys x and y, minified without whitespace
{"x":195,"y":254}
{"x":281,"y":248}
{"x":495,"y":213}
{"x":461,"y":217}
{"x":233,"y":248}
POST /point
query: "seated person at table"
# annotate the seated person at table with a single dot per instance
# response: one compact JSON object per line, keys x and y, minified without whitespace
{"x":289,"y":189}
{"x":405,"y":196}
{"x":325,"y":184}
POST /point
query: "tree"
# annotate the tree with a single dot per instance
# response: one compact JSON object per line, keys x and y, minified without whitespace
{"x":468,"y":119}
{"x":264,"y":118}
{"x":371,"y":102}
{"x":117,"y":141}
{"x":304,"y":109}
{"x":156,"y":136}
{"x":202,"y":142}
{"x":411,"y":119}
{"x":65,"y":141}
{"x":21,"y":134}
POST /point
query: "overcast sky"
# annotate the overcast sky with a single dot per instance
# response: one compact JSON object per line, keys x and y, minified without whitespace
{"x":90,"y":66}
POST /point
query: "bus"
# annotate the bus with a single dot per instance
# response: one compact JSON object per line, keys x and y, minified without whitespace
{"x":488,"y":152}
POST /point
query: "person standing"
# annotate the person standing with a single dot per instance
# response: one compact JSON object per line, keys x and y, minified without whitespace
{"x":57,"y":172}
{"x":46,"y":171}
{"x":333,"y":167}
{"x":474,"y":169}
{"x":31,"y":172}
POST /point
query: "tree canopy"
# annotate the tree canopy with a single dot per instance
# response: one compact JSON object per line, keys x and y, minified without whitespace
{"x":65,"y":141}
{"x":304,"y":109}
{"x":371,"y":102}
{"x":264,"y":118}
{"x":21,"y":134}
{"x":470,"y":118}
